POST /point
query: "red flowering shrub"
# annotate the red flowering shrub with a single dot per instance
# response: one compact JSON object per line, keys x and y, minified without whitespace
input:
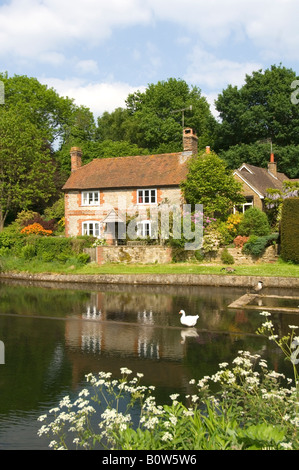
{"x":37,"y":219}
{"x":240,"y":241}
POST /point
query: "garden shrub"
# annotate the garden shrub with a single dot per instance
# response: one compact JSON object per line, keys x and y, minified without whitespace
{"x":13,"y":240}
{"x":83,"y":258}
{"x":28,"y":252}
{"x":256,"y":246}
{"x":226,"y":257}
{"x":36,"y":229}
{"x":240,"y":241}
{"x":26,"y":218}
{"x":48,"y":249}
{"x":254,"y":222}
{"x":289,"y":231}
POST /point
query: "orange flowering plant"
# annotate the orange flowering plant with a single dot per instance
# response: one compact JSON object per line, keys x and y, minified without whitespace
{"x":36,"y":229}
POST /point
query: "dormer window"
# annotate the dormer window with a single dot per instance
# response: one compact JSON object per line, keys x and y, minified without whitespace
{"x":146,"y":196}
{"x":90,"y":198}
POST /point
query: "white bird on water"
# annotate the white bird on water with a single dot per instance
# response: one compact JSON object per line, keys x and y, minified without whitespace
{"x":188,"y":320}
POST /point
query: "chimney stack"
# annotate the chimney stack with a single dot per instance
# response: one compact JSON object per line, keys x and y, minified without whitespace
{"x":272,"y":166}
{"x":190,"y":141}
{"x":76,"y":158}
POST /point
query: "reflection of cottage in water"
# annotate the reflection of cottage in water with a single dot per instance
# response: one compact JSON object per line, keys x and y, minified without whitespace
{"x":131,"y":330}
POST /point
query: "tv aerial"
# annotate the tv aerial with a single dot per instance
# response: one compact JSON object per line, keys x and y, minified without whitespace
{"x":183,"y":113}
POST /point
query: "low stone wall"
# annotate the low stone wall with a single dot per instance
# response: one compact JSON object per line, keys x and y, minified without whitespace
{"x":213,"y":280}
{"x":270,"y":256}
{"x":133,"y":254}
{"x":147,"y":254}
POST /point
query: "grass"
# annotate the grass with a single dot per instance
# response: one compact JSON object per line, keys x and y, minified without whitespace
{"x":279,"y":269}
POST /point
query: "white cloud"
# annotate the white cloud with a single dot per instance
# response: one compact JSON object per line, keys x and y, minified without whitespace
{"x":272,"y":25}
{"x":215,"y":73}
{"x":31,"y":27}
{"x":98,"y":97}
{"x":39,"y":29}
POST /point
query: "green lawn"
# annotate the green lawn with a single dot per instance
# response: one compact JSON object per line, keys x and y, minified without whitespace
{"x":272,"y":269}
{"x":276,"y":269}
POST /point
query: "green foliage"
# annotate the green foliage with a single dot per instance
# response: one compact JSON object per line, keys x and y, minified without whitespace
{"x":11,"y":240}
{"x":26,"y":171}
{"x":256,"y":246}
{"x":290,"y":230}
{"x":148,"y":120}
{"x":260,"y":109}
{"x":44,"y":249}
{"x":254,"y":222}
{"x":47,"y":112}
{"x":226,"y":257}
{"x":210,"y":183}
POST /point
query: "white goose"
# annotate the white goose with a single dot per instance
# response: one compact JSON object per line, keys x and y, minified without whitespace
{"x":188,"y":320}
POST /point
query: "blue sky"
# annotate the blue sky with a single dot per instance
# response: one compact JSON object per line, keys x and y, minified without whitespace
{"x":99,"y":51}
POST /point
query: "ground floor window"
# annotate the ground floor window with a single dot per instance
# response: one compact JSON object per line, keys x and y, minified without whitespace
{"x":144,"y":229}
{"x":91,"y":228}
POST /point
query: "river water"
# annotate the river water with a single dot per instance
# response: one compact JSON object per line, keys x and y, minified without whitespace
{"x":55,"y":334}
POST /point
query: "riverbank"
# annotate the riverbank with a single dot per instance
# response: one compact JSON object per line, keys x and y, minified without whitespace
{"x":215,"y":280}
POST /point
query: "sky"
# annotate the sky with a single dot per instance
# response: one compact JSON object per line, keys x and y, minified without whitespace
{"x":99,"y":51}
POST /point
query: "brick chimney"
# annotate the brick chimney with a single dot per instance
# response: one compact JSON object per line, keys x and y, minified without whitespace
{"x":272,"y":166}
{"x":190,"y":141}
{"x":76,"y":158}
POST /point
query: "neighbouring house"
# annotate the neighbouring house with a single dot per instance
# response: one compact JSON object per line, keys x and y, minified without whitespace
{"x":101,"y":195}
{"x":256,"y":181}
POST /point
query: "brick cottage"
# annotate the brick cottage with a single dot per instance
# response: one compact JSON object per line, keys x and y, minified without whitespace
{"x":101,"y":195}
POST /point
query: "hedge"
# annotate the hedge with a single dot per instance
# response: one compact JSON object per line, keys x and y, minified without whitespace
{"x":289,"y":230}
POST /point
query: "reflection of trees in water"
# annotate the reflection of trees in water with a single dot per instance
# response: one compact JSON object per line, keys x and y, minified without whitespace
{"x":31,"y":300}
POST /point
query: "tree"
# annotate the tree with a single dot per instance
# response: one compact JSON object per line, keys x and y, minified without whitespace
{"x":149,"y":121}
{"x":40,"y":105}
{"x":209,"y":182}
{"x":26,"y":168}
{"x":260,"y":109}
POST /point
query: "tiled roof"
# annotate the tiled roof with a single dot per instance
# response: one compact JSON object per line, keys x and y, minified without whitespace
{"x":260,"y":178}
{"x":168,"y":169}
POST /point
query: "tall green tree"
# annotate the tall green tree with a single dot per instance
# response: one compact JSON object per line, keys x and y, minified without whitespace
{"x":39,"y":104}
{"x":211,"y":183}
{"x":26,"y":167}
{"x":258,"y":154}
{"x":153,"y":118}
{"x":260,"y":109}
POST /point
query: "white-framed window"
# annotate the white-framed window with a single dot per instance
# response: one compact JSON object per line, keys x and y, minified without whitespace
{"x":146,"y":196}
{"x":244,"y":207}
{"x":144,"y":229}
{"x":91,"y":228}
{"x":90,"y":198}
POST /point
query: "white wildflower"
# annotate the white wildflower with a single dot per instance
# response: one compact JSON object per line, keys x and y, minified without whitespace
{"x":268,"y":324}
{"x":42,"y":418}
{"x":166,"y":437}
{"x":286,"y":445}
{"x":222,"y":365}
{"x":174,"y":396}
